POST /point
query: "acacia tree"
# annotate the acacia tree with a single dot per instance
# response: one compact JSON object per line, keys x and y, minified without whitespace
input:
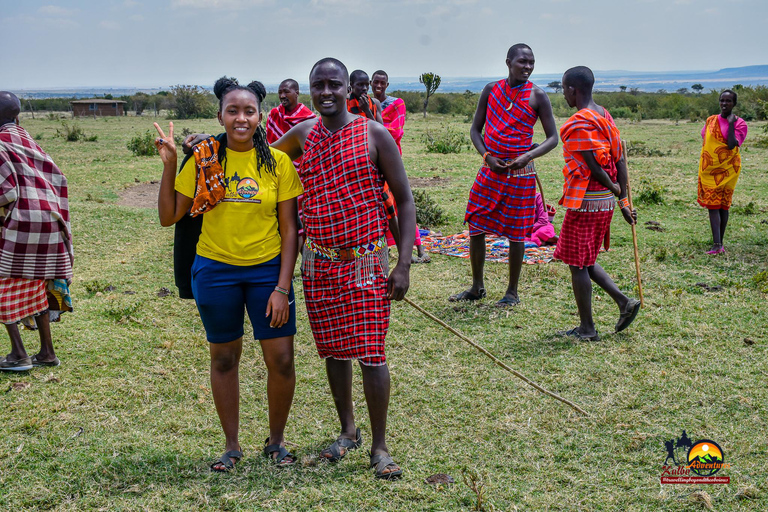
{"x":556,"y":85}
{"x":697,"y":87}
{"x":192,"y":101}
{"x":431,"y":81}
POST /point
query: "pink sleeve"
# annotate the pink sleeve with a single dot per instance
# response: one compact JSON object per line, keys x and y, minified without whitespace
{"x":704,"y":131}
{"x":741,"y":130}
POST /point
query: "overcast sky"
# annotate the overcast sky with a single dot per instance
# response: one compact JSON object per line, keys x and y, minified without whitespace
{"x":158,"y":43}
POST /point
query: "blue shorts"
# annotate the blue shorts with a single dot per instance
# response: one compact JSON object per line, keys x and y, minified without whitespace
{"x":223,"y":291}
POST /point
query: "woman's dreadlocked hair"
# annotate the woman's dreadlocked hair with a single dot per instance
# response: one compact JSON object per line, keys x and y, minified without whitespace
{"x":225,"y":85}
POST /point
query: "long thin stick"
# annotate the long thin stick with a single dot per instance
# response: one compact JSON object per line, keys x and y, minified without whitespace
{"x":494,"y":358}
{"x":541,"y":190}
{"x":634,"y":229}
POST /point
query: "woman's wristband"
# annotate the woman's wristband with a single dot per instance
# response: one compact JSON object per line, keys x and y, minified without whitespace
{"x":282,"y":290}
{"x":485,"y":155}
{"x":623,"y":203}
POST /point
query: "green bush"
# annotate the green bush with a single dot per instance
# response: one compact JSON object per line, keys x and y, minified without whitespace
{"x":651,"y":192}
{"x":448,"y":140}
{"x":761,"y":281}
{"x":639,"y":148}
{"x":143,"y":144}
{"x":74,"y":133}
{"x":429,"y":214}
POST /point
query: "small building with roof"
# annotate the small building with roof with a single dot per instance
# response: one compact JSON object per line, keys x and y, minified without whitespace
{"x":97,"y":107}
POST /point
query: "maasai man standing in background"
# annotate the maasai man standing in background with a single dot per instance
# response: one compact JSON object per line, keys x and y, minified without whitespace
{"x":593,"y":164}
{"x":502,"y":199}
{"x":393,"y":116}
{"x":289,"y":113}
{"x":35,"y":237}
{"x":359,"y":102}
{"x":346,"y":289}
{"x":719,"y":166}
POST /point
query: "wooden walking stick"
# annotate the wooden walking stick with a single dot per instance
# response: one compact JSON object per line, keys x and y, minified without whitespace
{"x":494,"y":358}
{"x":634,"y":228}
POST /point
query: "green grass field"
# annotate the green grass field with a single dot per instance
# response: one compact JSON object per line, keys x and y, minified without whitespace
{"x":127,"y":422}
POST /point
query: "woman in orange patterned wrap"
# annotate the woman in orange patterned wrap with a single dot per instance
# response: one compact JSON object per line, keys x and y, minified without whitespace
{"x":719,"y":166}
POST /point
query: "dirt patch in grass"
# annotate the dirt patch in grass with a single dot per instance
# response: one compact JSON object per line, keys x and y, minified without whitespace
{"x":143,"y":195}
{"x":431,"y":181}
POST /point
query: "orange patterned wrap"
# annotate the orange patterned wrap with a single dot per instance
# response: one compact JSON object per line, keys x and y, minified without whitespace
{"x":719,"y":169}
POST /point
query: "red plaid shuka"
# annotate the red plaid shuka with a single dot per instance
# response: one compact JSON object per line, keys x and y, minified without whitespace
{"x":342,"y":209}
{"x":499,"y":204}
{"x":20,"y":298}
{"x":353,"y":105}
{"x":279,"y":121}
{"x":509,"y":120}
{"x":586,"y":130}
{"x":35,"y":236}
{"x":583,"y":233}
{"x":393,"y":115}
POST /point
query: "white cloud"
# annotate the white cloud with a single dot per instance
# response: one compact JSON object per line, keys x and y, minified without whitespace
{"x":109,"y":25}
{"x":54,"y":10}
{"x":218,"y":4}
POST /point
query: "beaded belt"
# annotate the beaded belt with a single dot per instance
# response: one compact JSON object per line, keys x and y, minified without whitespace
{"x":597,"y":201}
{"x":346,"y":254}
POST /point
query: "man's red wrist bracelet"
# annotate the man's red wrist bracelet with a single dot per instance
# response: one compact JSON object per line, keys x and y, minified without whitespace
{"x":624,"y":202}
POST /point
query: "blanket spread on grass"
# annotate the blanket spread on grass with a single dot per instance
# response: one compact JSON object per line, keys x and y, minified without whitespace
{"x":496,"y":248}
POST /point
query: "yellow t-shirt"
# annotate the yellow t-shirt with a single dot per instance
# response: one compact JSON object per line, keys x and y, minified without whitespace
{"x":242,"y":228}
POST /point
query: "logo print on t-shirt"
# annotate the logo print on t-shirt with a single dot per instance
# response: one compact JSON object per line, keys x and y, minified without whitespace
{"x":247,"y":188}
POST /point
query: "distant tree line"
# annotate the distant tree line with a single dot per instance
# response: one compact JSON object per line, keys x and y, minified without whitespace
{"x":186,"y":102}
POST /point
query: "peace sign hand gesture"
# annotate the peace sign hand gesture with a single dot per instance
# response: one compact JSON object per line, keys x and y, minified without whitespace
{"x":166,"y":145}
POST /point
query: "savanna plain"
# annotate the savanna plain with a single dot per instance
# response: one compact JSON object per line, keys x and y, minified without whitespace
{"x":128,"y":423}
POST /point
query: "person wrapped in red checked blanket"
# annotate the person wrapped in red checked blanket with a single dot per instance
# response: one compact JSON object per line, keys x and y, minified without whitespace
{"x":595,"y":172}
{"x":346,"y":160}
{"x":284,"y":117}
{"x":501,"y":201}
{"x":35,"y":237}
{"x":393,"y":118}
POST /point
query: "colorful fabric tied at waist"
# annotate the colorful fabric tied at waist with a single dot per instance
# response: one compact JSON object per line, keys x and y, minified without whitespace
{"x":366,"y":258}
{"x":597,"y":201}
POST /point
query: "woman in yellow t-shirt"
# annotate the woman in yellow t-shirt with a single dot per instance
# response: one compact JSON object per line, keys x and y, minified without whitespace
{"x":245,"y":256}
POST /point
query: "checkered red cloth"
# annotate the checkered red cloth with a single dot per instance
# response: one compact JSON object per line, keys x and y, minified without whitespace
{"x":501,"y":205}
{"x":279,"y":121}
{"x":20,"y":298}
{"x":35,"y":237}
{"x":509,"y":133}
{"x":581,"y":236}
{"x":393,"y":115}
{"x":348,"y":321}
{"x":343,"y":208}
{"x":342,"y":205}
{"x":587,"y":130}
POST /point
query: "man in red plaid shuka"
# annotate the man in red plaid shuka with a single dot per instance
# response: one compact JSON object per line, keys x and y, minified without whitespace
{"x":502,"y":199}
{"x":593,"y":165}
{"x":35,"y":237}
{"x":346,"y":159}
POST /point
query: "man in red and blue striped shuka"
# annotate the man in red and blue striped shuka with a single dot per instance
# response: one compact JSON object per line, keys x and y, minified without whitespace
{"x":502,"y":199}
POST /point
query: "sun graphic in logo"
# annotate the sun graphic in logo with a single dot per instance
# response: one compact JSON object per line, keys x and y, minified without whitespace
{"x":247,"y":188}
{"x":705,"y":458}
